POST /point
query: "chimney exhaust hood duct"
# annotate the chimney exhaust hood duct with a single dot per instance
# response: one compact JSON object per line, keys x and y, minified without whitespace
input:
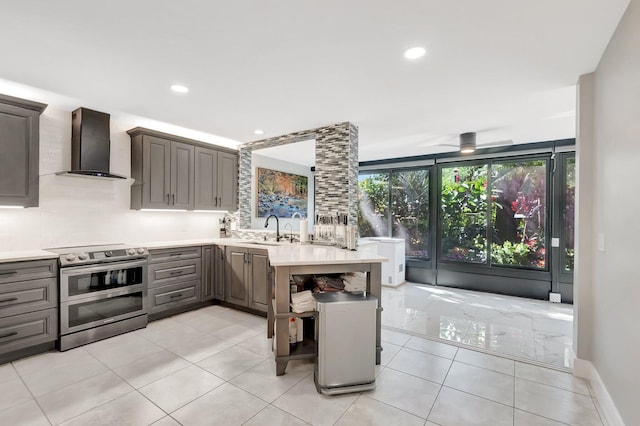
{"x":90,"y":144}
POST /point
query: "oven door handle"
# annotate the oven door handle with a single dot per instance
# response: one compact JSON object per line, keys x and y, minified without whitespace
{"x":111,"y":266}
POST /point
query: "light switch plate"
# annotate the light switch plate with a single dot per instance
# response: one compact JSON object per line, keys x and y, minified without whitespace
{"x":555,"y":242}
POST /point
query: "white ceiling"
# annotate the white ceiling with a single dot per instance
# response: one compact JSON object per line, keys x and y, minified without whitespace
{"x":506,"y":69}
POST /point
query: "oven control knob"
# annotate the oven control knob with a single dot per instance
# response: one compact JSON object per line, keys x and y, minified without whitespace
{"x":70,"y":257}
{"x":140,"y":250}
{"x":108,"y":253}
{"x":131,"y":251}
{"x":83,"y":256}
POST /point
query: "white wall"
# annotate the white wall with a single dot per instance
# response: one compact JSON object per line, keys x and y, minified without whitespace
{"x":614,"y":320}
{"x":77,"y":211}
{"x":283,"y":166}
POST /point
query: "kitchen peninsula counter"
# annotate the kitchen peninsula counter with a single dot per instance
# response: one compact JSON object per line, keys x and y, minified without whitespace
{"x":303,"y":259}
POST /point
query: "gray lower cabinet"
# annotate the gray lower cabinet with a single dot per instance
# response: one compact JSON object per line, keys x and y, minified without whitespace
{"x":28,"y":305}
{"x":212,"y":272}
{"x":219,"y":275}
{"x":216,"y":180}
{"x":19,"y":151}
{"x":174,"y":278}
{"x":248,"y":276}
{"x":164,"y":173}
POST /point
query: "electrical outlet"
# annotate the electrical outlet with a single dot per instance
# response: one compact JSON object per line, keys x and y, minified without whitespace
{"x":554,"y":298}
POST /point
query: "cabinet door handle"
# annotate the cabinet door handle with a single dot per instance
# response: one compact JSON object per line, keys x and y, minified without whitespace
{"x":175,"y":296}
{"x":8,"y":272}
{"x":12,"y":299}
{"x":218,"y":201}
{"x":173,"y":198}
{"x":168,"y":197}
{"x":13,"y":333}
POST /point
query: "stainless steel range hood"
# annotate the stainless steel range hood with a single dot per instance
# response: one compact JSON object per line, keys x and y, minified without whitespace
{"x":90,"y":144}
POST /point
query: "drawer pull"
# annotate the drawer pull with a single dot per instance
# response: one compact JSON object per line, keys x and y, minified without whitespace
{"x":175,"y":296}
{"x":12,"y":299}
{"x":8,"y":272}
{"x":13,"y":333}
{"x":177,"y":272}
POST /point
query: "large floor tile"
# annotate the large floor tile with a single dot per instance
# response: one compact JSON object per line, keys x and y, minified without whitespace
{"x":478,"y":381}
{"x":431,"y":347}
{"x":408,"y":393}
{"x":27,"y":413}
{"x":522,"y":418}
{"x":231,"y":362}
{"x":51,"y":371}
{"x":389,"y":350}
{"x":197,"y":349}
{"x":304,"y":402}
{"x":237,"y":333}
{"x":75,"y":399}
{"x":550,"y":377}
{"x":180,"y":388}
{"x":120,"y":350}
{"x":259,"y":344}
{"x":262,"y":381}
{"x":394,"y":337}
{"x":426,"y":366}
{"x":13,"y":392}
{"x":166,"y":421}
{"x":225,"y":405}
{"x":207,"y":322}
{"x":367,"y":411}
{"x":7,"y":373}
{"x":557,"y":404}
{"x":455,"y":408}
{"x":490,"y":362}
{"x":151,"y":368}
{"x":128,"y":410}
{"x":271,"y":415}
{"x":171,"y":333}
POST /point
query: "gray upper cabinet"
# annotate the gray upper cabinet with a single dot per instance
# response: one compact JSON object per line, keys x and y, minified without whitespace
{"x":172,"y":172}
{"x":216,"y":180}
{"x":19,"y":151}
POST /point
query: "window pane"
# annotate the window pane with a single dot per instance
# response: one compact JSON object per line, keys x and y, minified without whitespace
{"x":463,"y":213}
{"x":373,"y":205}
{"x":410,"y":211}
{"x":518,"y":214}
{"x":569,"y":211}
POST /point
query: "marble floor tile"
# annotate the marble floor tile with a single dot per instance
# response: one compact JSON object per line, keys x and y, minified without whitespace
{"x":262,"y":381}
{"x":225,"y":405}
{"x":390,"y":336}
{"x":367,"y":411}
{"x":389,"y":350}
{"x":7,"y":373}
{"x":522,"y":418}
{"x":151,"y":368}
{"x":420,"y":364}
{"x":197,"y":349}
{"x":405,"y":392}
{"x":166,"y":421}
{"x":130,"y":409}
{"x":556,"y":404}
{"x":75,"y":399}
{"x":304,"y":402}
{"x":180,"y":388}
{"x":271,"y":415}
{"x":120,"y":350}
{"x":454,"y":408}
{"x":259,"y":344}
{"x":237,"y":333}
{"x":550,"y":377}
{"x":431,"y":347}
{"x":478,"y":381}
{"x":490,"y":362}
{"x":231,"y":362}
{"x":13,"y":392}
{"x":27,"y":413}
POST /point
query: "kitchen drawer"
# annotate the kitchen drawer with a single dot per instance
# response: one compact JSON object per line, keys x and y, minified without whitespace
{"x":171,"y":254}
{"x":22,"y":331}
{"x":28,"y":296}
{"x":173,"y":295}
{"x":30,"y":270}
{"x":168,"y":272}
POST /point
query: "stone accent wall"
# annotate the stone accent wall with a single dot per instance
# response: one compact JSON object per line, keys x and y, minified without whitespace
{"x":336,"y":172}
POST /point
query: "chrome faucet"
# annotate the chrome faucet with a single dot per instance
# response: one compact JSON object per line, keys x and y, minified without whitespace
{"x":290,"y":231}
{"x":266,"y":223}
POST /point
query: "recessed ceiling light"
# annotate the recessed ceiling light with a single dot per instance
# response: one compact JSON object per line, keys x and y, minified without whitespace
{"x":415,"y":53}
{"x":258,"y":132}
{"x":178,"y":88}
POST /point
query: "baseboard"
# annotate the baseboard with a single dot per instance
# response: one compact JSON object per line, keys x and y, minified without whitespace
{"x":586,"y":370}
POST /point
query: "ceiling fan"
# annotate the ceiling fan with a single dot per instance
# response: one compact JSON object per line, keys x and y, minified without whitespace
{"x":467,"y":142}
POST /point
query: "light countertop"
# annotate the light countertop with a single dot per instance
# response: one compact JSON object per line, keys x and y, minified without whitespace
{"x":21,"y":255}
{"x":309,"y":254}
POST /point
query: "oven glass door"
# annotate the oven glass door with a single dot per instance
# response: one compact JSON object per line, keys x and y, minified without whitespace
{"x":82,"y":281}
{"x":80,"y":315}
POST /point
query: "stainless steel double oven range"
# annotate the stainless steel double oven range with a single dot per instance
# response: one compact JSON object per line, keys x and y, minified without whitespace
{"x":103,"y":292}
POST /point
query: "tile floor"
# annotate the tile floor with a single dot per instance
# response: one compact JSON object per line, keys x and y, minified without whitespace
{"x":524,"y":329}
{"x":214,"y":366}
